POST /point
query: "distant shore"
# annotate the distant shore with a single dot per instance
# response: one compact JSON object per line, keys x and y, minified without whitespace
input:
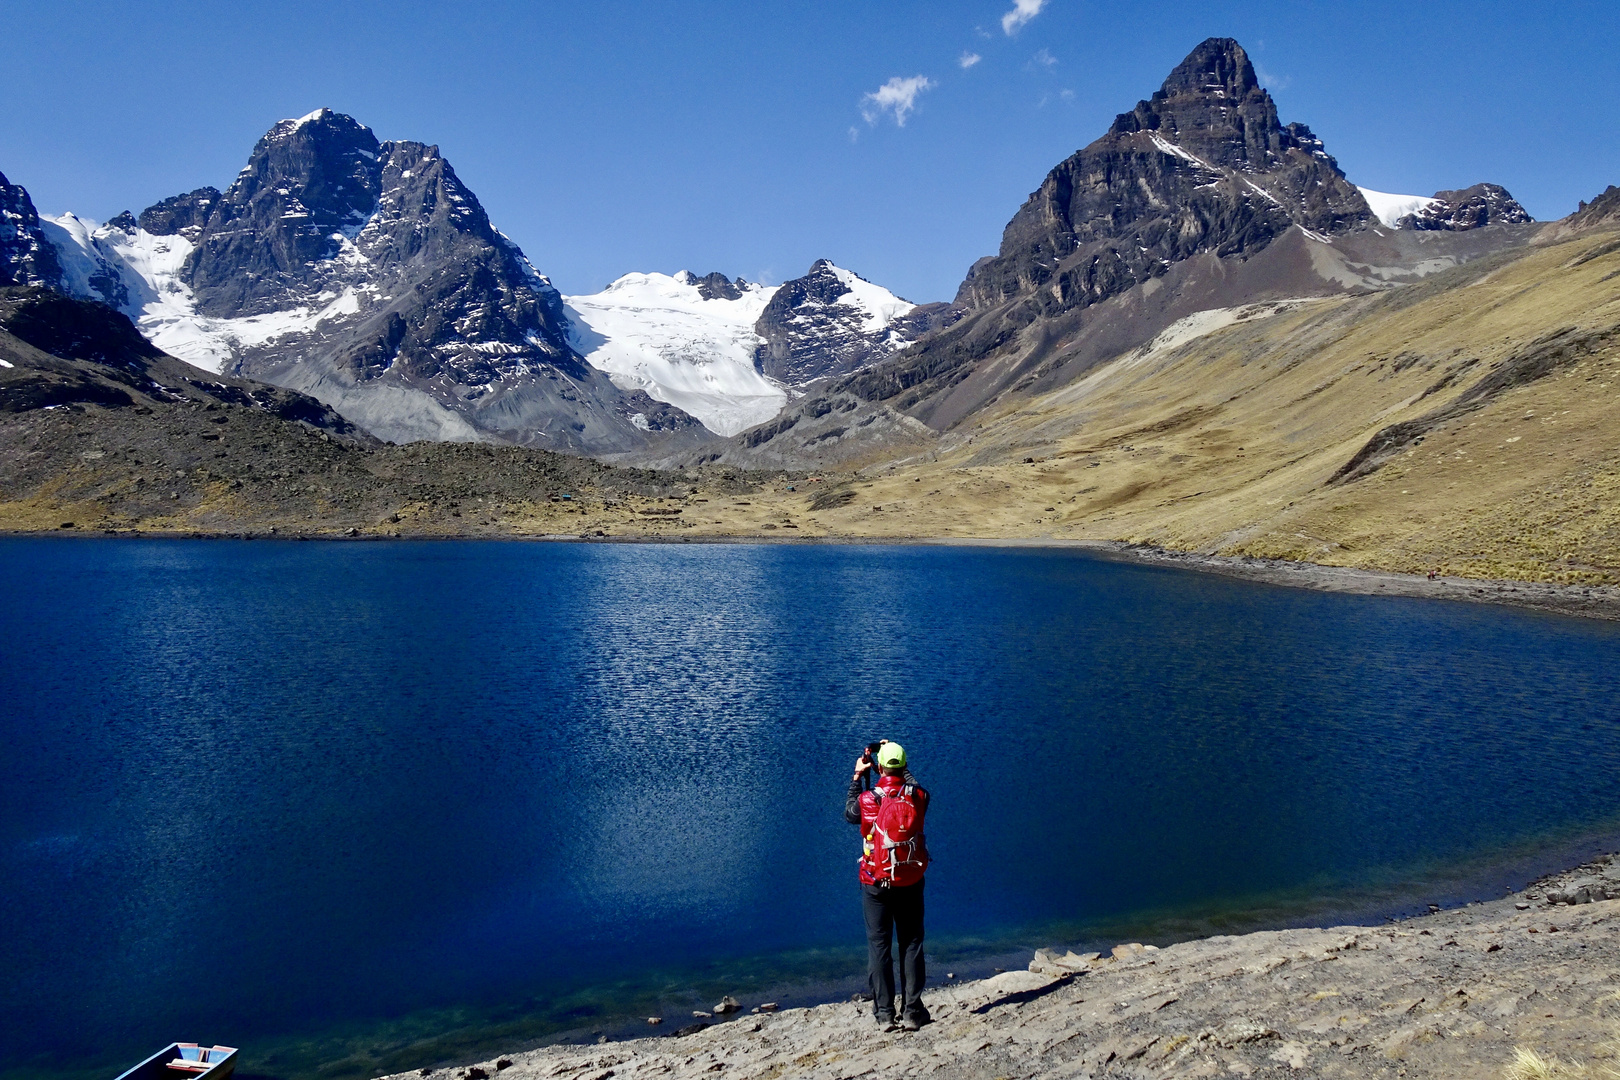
{"x":1584,"y":601}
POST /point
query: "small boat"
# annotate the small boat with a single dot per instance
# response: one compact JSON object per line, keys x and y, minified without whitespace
{"x":186,"y":1060}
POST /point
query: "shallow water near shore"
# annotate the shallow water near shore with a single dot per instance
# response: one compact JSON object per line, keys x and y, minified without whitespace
{"x":361,"y":807}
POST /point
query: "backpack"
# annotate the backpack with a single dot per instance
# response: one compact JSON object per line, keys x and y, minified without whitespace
{"x":896,"y":851}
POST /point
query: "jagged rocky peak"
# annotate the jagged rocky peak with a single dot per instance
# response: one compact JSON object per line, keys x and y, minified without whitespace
{"x":1471,"y":208}
{"x":26,"y":257}
{"x":1213,"y":105}
{"x":307,"y":184}
{"x":323,"y":209}
{"x":832,"y":321}
{"x":366,"y":273}
{"x":1204,"y":165}
{"x":1601,"y":211}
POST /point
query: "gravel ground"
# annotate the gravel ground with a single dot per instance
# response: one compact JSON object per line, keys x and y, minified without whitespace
{"x":1453,"y":994}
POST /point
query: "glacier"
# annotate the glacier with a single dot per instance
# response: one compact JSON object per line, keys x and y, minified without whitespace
{"x":657,"y":333}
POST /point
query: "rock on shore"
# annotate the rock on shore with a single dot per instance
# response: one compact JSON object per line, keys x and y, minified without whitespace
{"x":1452,"y":994}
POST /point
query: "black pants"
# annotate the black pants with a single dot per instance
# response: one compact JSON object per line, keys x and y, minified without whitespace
{"x":898,"y":910}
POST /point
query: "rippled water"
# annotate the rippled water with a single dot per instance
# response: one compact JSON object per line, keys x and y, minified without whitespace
{"x":389,"y":803}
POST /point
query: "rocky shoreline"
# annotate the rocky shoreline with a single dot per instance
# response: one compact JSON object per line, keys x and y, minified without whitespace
{"x":1589,"y":601}
{"x":1458,"y":993}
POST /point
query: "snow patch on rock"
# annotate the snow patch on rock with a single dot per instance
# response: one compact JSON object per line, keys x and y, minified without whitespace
{"x":1390,"y":208}
{"x":156,"y":299}
{"x":878,"y":306}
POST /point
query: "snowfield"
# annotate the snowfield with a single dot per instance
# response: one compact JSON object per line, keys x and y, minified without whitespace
{"x":656,"y":332}
{"x":159,"y":303}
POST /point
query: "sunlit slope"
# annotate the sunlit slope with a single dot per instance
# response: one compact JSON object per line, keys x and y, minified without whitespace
{"x":1237,"y":441}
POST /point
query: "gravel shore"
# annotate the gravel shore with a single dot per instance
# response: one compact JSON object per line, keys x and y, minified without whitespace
{"x":1590,"y":601}
{"x":1456,"y":993}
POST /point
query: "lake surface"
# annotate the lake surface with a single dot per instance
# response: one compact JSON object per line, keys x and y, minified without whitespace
{"x":355,"y":806}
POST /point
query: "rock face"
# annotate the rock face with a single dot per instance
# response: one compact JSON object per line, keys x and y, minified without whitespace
{"x":1470,"y":208}
{"x":1202,"y":165}
{"x":833,"y":322}
{"x":1601,"y":211}
{"x":26,"y":257}
{"x":366,"y":274}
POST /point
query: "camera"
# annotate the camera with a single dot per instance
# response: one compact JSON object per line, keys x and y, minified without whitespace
{"x":872,"y":749}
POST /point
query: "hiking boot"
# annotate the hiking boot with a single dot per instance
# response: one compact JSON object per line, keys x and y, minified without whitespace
{"x":886,"y":1023}
{"x":910,"y":1023}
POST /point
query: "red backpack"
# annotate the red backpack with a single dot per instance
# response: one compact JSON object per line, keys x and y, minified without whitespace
{"x":896,"y":851}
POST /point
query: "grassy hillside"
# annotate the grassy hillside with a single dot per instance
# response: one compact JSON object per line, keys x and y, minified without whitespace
{"x":1236,"y":442}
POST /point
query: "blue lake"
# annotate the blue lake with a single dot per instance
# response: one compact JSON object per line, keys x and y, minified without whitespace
{"x":355,"y":806}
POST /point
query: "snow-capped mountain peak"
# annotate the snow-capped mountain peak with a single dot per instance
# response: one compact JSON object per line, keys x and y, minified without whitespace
{"x":832,"y":321}
{"x":368,"y":275}
{"x":728,"y":351}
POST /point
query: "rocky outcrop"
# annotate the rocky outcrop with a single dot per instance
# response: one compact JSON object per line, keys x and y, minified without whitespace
{"x":819,"y":325}
{"x":1601,"y":212}
{"x":183,"y":215}
{"x":26,"y":257}
{"x":1470,"y":208}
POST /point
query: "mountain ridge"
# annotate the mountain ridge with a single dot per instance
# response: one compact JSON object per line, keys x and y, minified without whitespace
{"x":366,"y":273}
{"x":1197,"y":200}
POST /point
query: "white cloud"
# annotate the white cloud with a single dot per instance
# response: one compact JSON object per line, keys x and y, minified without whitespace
{"x":1022,"y":12}
{"x":968,"y":59}
{"x":897,"y":96}
{"x":1044,"y":58}
{"x":1275,"y":82}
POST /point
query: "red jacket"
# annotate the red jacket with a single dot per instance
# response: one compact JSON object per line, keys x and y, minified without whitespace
{"x":861,"y":808}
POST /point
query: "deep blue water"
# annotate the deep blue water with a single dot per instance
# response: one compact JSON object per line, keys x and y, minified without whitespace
{"x":404,"y":798}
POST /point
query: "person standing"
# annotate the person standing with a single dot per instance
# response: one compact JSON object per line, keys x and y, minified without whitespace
{"x":894,"y":857}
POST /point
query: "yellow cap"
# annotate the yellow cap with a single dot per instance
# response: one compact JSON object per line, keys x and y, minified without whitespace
{"x":891,"y":755}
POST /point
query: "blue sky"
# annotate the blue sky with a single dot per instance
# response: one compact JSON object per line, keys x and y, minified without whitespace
{"x":615,"y":136}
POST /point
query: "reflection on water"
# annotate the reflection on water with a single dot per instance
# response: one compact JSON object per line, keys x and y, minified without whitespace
{"x":381,"y":796}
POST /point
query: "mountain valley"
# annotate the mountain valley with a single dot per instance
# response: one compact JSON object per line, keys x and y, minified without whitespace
{"x":1197,"y":334}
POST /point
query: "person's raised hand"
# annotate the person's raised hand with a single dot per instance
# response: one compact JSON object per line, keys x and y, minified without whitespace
{"x":862,"y":763}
